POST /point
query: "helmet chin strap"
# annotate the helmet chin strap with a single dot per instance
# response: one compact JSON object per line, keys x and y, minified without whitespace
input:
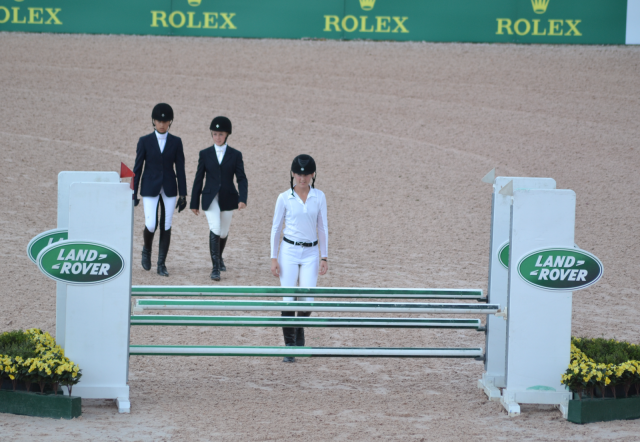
{"x":154,"y":126}
{"x":313,"y":182}
{"x":291,"y":174}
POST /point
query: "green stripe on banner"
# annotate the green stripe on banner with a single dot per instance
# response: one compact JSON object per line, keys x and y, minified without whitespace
{"x":519,"y":21}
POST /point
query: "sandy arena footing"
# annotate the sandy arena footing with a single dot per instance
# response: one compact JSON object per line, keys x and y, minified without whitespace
{"x":402,"y":134}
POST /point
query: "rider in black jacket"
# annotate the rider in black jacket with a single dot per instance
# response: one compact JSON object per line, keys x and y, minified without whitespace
{"x":158,"y":153}
{"x":219,"y":163}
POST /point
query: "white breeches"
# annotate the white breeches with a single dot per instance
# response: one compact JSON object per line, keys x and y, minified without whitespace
{"x":150,"y":204}
{"x":219,"y":221}
{"x":298,"y":267}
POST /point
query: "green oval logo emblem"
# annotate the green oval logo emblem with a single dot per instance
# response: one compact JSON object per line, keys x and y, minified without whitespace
{"x":503,"y":255}
{"x":43,"y":240}
{"x":80,"y":262}
{"x":560,"y":269}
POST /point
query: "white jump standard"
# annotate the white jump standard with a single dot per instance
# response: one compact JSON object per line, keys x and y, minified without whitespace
{"x":95,"y":264}
{"x":498,"y":292}
{"x":65,"y":180}
{"x":527,"y":356}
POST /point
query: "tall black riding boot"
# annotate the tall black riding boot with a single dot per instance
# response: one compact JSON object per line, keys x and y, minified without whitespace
{"x":289,"y":334}
{"x":300,"y":330}
{"x":223,"y":242}
{"x":214,"y":250}
{"x":163,"y":250}
{"x":146,"y":248}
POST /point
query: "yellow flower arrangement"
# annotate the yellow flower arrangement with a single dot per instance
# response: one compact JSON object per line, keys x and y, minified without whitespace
{"x":584,"y":374}
{"x":49,"y":366}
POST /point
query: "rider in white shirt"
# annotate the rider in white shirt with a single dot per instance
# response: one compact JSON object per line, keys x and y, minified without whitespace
{"x":303,"y":209}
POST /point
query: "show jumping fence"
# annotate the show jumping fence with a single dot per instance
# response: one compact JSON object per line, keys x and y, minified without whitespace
{"x":529,"y":216}
{"x":142,"y":305}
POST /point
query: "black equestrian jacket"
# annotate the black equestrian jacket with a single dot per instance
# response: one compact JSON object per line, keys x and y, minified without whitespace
{"x":159,"y":167}
{"x":219,"y":180}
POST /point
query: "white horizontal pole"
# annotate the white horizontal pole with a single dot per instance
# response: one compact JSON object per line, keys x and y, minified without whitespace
{"x":318,"y":292}
{"x":293,"y":306}
{"x":141,"y":350}
{"x":256,"y":321}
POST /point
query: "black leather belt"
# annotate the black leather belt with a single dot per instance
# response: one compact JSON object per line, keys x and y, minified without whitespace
{"x":303,"y":244}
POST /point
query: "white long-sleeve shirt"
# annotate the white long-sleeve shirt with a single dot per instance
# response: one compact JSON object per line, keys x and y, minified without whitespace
{"x":304,"y":222}
{"x":162,"y":140}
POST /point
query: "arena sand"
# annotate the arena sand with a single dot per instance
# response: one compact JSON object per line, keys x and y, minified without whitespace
{"x":402,"y":134}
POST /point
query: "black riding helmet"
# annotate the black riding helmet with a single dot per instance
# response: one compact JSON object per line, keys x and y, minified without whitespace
{"x":162,"y":112}
{"x":303,"y":165}
{"x":221,"y":124}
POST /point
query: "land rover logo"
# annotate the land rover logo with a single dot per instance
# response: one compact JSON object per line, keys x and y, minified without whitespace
{"x":560,"y":269}
{"x":80,"y":262}
{"x":43,"y":240}
{"x":503,"y":255}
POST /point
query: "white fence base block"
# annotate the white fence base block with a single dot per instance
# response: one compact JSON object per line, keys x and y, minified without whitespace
{"x":564,"y":409}
{"x":488,"y":384}
{"x":511,"y":400}
{"x":93,"y":391}
{"x":512,"y":407}
{"x":124,"y":406}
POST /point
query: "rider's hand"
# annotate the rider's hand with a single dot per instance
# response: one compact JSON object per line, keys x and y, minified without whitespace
{"x":275,"y":267}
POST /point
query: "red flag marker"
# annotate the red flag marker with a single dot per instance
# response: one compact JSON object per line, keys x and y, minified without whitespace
{"x":125,"y":172}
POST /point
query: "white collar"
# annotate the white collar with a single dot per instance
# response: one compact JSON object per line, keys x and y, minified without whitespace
{"x":161,"y":136}
{"x":220,"y":148}
{"x":312,"y":193}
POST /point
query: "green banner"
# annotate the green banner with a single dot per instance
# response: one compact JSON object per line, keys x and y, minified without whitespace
{"x":520,"y":21}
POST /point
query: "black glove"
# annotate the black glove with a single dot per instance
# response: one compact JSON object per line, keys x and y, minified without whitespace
{"x":136,"y":201}
{"x":182,"y":203}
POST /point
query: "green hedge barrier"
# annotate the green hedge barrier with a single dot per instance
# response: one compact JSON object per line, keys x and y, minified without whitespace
{"x":520,"y":21}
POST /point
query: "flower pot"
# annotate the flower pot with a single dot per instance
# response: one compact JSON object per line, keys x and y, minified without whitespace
{"x":599,"y":410}
{"x":21,"y":386}
{"x":41,"y":405}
